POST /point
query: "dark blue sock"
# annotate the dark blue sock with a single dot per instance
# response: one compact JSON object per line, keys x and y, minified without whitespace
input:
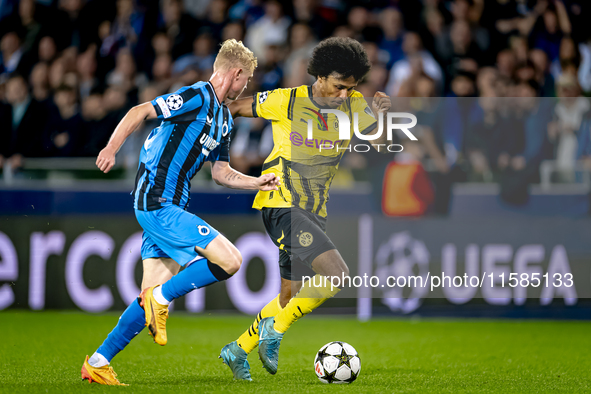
{"x":131,"y":322}
{"x":199,"y":274}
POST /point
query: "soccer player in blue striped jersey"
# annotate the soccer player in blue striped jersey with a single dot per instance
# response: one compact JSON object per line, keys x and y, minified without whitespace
{"x":195,"y":129}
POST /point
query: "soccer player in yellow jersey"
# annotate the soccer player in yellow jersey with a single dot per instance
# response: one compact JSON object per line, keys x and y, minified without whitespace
{"x":295,"y":215}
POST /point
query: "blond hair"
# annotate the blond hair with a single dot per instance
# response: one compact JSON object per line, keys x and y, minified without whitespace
{"x":234,"y":54}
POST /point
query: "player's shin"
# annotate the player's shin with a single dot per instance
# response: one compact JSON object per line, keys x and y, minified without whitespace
{"x":312,"y":294}
{"x":131,"y":322}
{"x":249,"y":340}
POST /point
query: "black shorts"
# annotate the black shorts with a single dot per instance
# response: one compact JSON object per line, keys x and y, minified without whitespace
{"x":300,"y":237}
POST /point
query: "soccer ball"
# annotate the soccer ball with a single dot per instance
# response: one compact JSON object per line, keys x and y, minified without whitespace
{"x":337,"y":362}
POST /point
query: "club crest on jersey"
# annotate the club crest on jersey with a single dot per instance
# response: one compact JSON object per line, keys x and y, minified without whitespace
{"x":174,"y":102}
{"x":263,"y":97}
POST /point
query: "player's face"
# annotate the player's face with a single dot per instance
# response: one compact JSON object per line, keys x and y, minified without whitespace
{"x":240,"y":83}
{"x":335,"y":90}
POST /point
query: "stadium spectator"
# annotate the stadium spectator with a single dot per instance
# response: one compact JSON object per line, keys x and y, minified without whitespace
{"x":458,"y":52}
{"x":216,"y":19}
{"x":233,"y":30}
{"x":506,"y":62}
{"x":86,"y":68}
{"x":556,"y":25}
{"x":178,"y":25}
{"x":100,"y":118}
{"x":39,"y":81}
{"x":585,"y":67}
{"x":566,"y":131}
{"x":543,"y":76}
{"x":201,"y":58}
{"x":47,"y":50}
{"x":402,"y":69}
{"x":322,"y":20}
{"x":392,"y":24}
{"x":125,"y":30}
{"x":11,"y":52}
{"x":125,"y":74}
{"x":24,"y":120}
{"x":63,"y":132}
{"x":271,"y":29}
{"x":301,"y":44}
{"x":269,"y":74}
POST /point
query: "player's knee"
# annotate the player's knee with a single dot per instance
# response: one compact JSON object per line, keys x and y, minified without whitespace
{"x":344,"y":270}
{"x":233,"y":263}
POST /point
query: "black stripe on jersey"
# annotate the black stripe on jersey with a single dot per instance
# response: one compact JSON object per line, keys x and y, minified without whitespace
{"x":254,"y":105}
{"x":371,"y":127}
{"x":189,"y":94}
{"x":177,"y":135}
{"x":322,"y":193}
{"x":225,"y":140}
{"x":308,"y":192}
{"x":157,"y":109}
{"x":272,"y":163}
{"x":138,"y":176}
{"x":192,"y":157}
{"x":291,"y":104}
{"x":140,"y":197}
{"x":289,"y":183}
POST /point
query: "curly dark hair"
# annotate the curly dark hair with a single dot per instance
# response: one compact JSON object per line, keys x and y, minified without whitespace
{"x":345,"y":57}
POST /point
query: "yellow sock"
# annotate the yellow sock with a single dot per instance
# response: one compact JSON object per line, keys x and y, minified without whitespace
{"x":312,"y":294}
{"x":250,"y":338}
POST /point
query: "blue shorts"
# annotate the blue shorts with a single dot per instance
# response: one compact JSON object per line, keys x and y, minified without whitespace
{"x":172,"y":232}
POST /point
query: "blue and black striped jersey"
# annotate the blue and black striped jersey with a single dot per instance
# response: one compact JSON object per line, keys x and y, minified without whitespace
{"x":195,"y":128}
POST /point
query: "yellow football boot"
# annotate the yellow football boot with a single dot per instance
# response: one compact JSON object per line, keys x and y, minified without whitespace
{"x":156,"y":315}
{"x":103,"y":375}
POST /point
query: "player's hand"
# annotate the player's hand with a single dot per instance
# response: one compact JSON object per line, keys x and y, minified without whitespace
{"x":268,"y":182}
{"x":381,"y":102}
{"x":106,"y":160}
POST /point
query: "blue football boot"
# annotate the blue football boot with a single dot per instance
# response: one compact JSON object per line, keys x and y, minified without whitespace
{"x":269,"y":341}
{"x":235,"y":357}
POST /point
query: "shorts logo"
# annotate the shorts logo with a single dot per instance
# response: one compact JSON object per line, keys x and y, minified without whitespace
{"x":203,"y":230}
{"x":174,"y":102}
{"x":263,"y":96}
{"x":306,"y":239}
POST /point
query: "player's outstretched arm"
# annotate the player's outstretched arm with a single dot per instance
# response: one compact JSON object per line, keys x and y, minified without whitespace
{"x":106,"y":158}
{"x":225,"y":175}
{"x":242,"y":107}
{"x":381,"y":103}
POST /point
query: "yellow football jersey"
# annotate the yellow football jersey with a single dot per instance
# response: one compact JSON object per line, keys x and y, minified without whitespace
{"x":306,"y":166}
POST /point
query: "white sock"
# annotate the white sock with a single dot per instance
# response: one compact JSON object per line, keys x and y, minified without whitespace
{"x":159,"y":297}
{"x":98,"y":360}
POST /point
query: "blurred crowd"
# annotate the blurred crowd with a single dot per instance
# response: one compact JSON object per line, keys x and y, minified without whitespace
{"x":70,"y":69}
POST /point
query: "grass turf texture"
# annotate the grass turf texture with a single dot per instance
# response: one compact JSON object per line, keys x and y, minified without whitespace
{"x":43,"y":352}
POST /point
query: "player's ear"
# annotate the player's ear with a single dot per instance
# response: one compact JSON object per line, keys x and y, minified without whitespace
{"x":239,"y":73}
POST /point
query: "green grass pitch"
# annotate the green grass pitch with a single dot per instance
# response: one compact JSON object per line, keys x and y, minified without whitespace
{"x":43,"y":352}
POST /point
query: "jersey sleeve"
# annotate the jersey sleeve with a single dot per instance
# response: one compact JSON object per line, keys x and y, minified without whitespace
{"x":222,"y":152}
{"x":270,"y":105}
{"x":367,"y":119}
{"x":182,"y":105}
